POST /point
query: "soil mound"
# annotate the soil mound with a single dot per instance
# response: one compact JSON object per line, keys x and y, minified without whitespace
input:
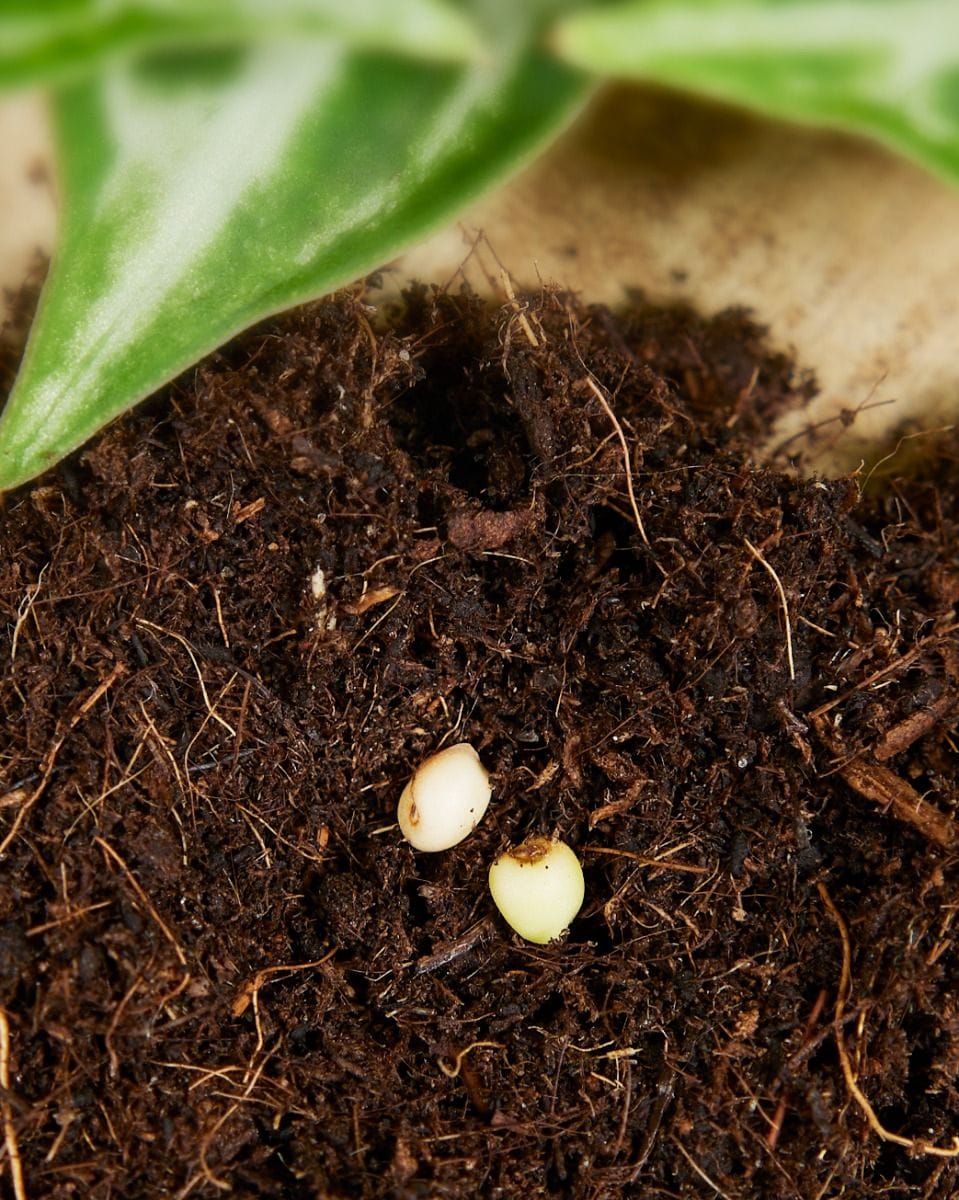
{"x":236,"y":623}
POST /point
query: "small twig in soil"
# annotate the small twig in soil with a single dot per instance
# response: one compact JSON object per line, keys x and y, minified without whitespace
{"x":455,"y":949}
{"x":916,"y":1145}
{"x":900,"y":737}
{"x":9,"y":1129}
{"x":70,"y":916}
{"x":818,"y":628}
{"x":597,"y":392}
{"x":219,"y":616}
{"x":520,"y":315}
{"x":251,"y":991}
{"x":665,"y":864}
{"x":145,"y":899}
{"x":783,"y":601}
{"x":776,"y":1124}
{"x":884,"y":787}
{"x":454,"y":1070}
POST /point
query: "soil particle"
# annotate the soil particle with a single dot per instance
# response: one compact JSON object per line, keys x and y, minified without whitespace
{"x":236,"y":623}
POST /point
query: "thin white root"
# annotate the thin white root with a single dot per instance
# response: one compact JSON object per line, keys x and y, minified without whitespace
{"x":591,"y":384}
{"x":783,"y":601}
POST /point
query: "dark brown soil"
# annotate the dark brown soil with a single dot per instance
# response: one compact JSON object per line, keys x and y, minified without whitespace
{"x":235,"y":625}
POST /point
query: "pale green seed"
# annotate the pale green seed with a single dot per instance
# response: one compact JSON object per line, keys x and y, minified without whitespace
{"x":538,"y":887}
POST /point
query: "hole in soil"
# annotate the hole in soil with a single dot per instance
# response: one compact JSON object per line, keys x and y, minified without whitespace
{"x":614,"y":539}
{"x":420,"y":912}
{"x":474,"y":441}
{"x":456,"y":424}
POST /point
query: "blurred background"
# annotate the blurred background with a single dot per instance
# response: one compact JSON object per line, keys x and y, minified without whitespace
{"x":849,"y":254}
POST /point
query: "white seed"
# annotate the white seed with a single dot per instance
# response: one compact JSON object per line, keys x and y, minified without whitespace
{"x":445,"y":800}
{"x":538,"y":887}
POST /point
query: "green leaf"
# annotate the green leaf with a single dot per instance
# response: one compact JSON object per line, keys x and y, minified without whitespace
{"x":43,"y":41}
{"x":885,"y":68}
{"x":197,"y":201}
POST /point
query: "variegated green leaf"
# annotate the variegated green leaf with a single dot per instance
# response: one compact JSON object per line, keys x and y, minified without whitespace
{"x":198,"y":201}
{"x":46,"y":40}
{"x":886,"y":68}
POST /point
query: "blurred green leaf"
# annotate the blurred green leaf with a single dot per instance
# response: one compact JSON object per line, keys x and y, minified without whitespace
{"x":48,"y":40}
{"x":885,"y":68}
{"x":198,"y":201}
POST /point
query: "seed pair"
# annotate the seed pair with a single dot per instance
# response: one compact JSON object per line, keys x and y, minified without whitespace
{"x":538,"y":887}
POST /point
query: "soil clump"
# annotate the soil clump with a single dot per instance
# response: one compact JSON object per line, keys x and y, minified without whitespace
{"x":237,"y":621}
